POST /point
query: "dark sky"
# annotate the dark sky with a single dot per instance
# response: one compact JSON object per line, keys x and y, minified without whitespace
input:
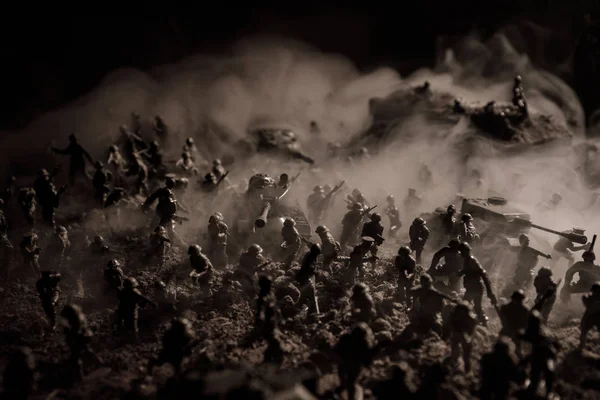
{"x":50,"y":61}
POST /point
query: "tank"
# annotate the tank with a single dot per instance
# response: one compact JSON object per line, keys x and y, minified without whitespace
{"x":262,"y":210}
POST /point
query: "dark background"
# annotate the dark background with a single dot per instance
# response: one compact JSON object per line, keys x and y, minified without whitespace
{"x":50,"y":61}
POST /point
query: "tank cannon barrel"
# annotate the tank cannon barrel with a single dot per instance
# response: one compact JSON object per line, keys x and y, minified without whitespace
{"x":261,"y":221}
{"x":573,"y":237}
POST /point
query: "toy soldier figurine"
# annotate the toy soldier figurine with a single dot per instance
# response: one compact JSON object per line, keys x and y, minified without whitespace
{"x":564,"y":248}
{"x":159,"y":245}
{"x":405,"y":265}
{"x":418,"y":234}
{"x":77,"y":155}
{"x":202,"y":268}
{"x":99,"y":246}
{"x":453,"y":264}
{"x":177,"y":344}
{"x":329,"y":247}
{"x":351,"y":224}
{"x":355,"y":350}
{"x":305,"y":278}
{"x":250,"y":261}
{"x":315,"y":204}
{"x":588,"y":273}
{"x":499,"y":369}
{"x":31,"y":252}
{"x":463,"y":322}
{"x":514,"y":317}
{"x":265,"y":295}
{"x":357,"y":197}
{"x":266,"y":321}
{"x":130,"y":300}
{"x":217,"y":169}
{"x":47,"y":195}
{"x":27,"y":202}
{"x":136,"y":123}
{"x":291,"y":241}
{"x":190,"y":147}
{"x":48,"y":290}
{"x":57,"y":248}
{"x":394,"y":215}
{"x":154,"y":157}
{"x":363,"y":307}
{"x":166,"y":208}
{"x":358,"y":258}
{"x":542,"y":357}
{"x":78,"y":337}
{"x":591,"y":317}
{"x":527,"y":260}
{"x":20,"y":375}
{"x":218,"y":232}
{"x":544,"y":284}
{"x":113,"y":275}
{"x":428,"y":315}
{"x":186,"y":165}
{"x":425,"y":175}
{"x":475,"y":280}
{"x":116,"y":164}
{"x":374,"y":229}
{"x":101,"y":182}
{"x":449,"y":222}
{"x":467,"y":232}
{"x":209,"y":183}
{"x":412,"y":202}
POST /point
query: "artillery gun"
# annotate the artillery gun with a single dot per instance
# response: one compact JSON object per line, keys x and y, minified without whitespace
{"x":264,"y":202}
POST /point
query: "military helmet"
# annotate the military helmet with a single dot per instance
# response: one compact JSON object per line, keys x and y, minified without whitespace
{"x":158,"y":284}
{"x":426,"y":280}
{"x":289,"y":222}
{"x":451,"y":208}
{"x":454,"y":244}
{"x":194,"y":249}
{"x":284,"y":177}
{"x":588,"y":256}
{"x":189,"y":141}
{"x":404,"y":251}
{"x":154,"y":144}
{"x":327,"y":188}
{"x":210,"y":176}
{"x":216,"y":162}
{"x":113,"y":148}
{"x":545,"y":271}
{"x":359,"y":288}
{"x":255,"y":249}
{"x":357,"y":207}
{"x":321,"y":229}
{"x":98,"y":164}
{"x":464,"y":247}
{"x":518,"y":79}
{"x":390,"y":198}
{"x":185,"y":155}
{"x":160,"y":230}
{"x":113,"y":264}
{"x":595,"y":288}
{"x":419,"y":221}
{"x":43,"y":172}
{"x":318,"y":189}
{"x":523,"y":238}
{"x":356,"y":192}
{"x":367,"y":239}
{"x":130,"y":283}
{"x":503,"y":345}
{"x":170,"y":183}
{"x":98,"y":239}
{"x":466,"y":217}
{"x":375,"y":217}
{"x":517,"y":295}
{"x":315,"y":248}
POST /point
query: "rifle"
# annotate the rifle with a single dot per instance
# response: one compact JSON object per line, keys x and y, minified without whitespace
{"x":367,"y":211}
{"x":179,"y":219}
{"x":295,"y":177}
{"x":593,"y":243}
{"x":222,"y":178}
{"x":335,"y":189}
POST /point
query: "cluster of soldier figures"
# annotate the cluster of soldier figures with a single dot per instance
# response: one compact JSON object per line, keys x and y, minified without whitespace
{"x":522,"y":357}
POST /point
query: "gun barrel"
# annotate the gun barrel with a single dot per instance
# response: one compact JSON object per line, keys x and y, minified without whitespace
{"x":261,"y":221}
{"x":593,"y":243}
{"x":573,"y":237}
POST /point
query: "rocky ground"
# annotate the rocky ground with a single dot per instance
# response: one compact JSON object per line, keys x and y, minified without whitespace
{"x":221,"y":322}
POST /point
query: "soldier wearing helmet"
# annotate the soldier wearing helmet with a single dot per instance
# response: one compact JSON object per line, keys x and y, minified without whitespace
{"x":57,"y":248}
{"x":357,"y":197}
{"x":462,"y":323}
{"x":186,"y":165}
{"x":315,"y":204}
{"x":251,"y":261}
{"x":475,"y":281}
{"x":355,"y":351}
{"x":130,"y":300}
{"x":217,"y":169}
{"x":98,"y":246}
{"x":527,"y":260}
{"x":363,"y":306}
{"x":292,"y":241}
{"x":393,"y":214}
{"x":77,"y":156}
{"x":202,"y":268}
{"x":591,"y":316}
{"x":499,"y":370}
{"x":48,"y":290}
{"x":113,"y":275}
{"x":177,"y":344}
{"x":405,"y":265}
{"x":351,"y":225}
{"x":564,"y":248}
{"x":431,"y":304}
{"x":453,"y":263}
{"x":154,"y":157}
{"x":467,"y":231}
{"x":31,"y":252}
{"x":514,"y":316}
{"x":190,"y":148}
{"x":542,"y":357}
{"x":218,"y":232}
{"x":329,"y":247}
{"x":101,"y":182}
{"x":166,"y":208}
{"x":418,"y":235}
{"x":412,"y":203}
{"x":305,"y":279}
{"x":449,"y":221}
{"x":588,"y":272}
{"x":545,"y":289}
{"x":374,"y":229}
{"x":358,"y":257}
{"x":160,"y":244}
